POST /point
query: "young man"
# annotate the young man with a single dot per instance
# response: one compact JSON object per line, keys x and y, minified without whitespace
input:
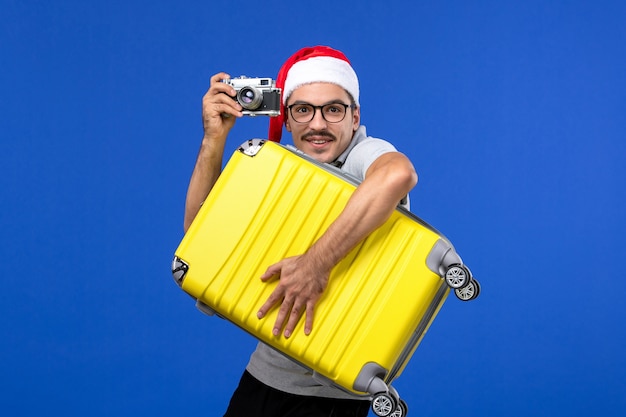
{"x":320,"y":107}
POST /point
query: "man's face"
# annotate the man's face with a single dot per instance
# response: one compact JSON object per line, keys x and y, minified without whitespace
{"x":322,"y":140}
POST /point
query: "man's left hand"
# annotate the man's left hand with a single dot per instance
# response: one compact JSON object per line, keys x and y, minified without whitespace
{"x":300,"y":287}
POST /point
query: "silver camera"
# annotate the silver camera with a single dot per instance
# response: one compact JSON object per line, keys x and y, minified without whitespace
{"x":257,"y":96}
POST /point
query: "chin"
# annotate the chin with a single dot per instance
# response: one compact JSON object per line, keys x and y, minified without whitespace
{"x":319,"y":155}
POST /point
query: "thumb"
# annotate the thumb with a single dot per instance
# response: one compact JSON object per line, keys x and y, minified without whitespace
{"x":271,"y":271}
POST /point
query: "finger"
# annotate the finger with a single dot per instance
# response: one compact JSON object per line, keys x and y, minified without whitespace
{"x":271,"y":301}
{"x":227,"y":110}
{"x":213,"y":106}
{"x":294,"y":317}
{"x":220,"y":95}
{"x":271,"y":271}
{"x":283,"y":313}
{"x":217,"y":87}
{"x":308,"y":322}
{"x":223,"y":89}
{"x":217,"y":78}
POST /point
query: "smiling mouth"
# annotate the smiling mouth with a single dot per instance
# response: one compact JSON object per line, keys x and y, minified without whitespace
{"x":318,"y":138}
{"x":318,"y":141}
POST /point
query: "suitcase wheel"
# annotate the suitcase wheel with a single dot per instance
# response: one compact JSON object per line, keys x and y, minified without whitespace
{"x":401,"y":410}
{"x":469,"y":292}
{"x":384,"y":404}
{"x":458,"y":276}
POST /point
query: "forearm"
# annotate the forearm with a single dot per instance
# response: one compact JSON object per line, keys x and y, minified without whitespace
{"x":388,"y":180}
{"x":205,"y":174}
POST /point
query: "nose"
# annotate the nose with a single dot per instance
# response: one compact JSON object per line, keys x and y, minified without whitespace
{"x":318,"y":122}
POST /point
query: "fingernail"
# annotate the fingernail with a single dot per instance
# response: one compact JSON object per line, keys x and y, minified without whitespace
{"x":287,"y":334}
{"x":276,"y":332}
{"x":259,"y":315}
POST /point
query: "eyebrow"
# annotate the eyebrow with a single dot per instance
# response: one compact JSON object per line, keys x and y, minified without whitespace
{"x":335,"y":101}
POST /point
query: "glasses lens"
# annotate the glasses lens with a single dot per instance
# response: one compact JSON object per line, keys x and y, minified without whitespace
{"x":334,"y":112}
{"x":302,"y":113}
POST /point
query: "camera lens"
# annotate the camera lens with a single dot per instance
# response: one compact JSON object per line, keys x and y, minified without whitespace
{"x":247,"y":97}
{"x":250,"y":98}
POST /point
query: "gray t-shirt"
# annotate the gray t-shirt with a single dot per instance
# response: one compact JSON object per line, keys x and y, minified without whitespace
{"x":273,"y":368}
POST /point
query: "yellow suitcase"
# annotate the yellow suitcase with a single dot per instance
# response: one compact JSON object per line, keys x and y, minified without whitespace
{"x":271,"y":202}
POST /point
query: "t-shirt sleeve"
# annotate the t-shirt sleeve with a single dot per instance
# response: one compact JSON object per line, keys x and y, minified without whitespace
{"x":364,"y":154}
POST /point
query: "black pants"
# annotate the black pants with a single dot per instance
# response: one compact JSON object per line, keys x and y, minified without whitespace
{"x":252,"y":398}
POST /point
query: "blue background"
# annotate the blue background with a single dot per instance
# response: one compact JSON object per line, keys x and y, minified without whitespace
{"x":512,"y":112}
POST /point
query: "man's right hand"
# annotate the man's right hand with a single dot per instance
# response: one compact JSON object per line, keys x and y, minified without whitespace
{"x":219,"y":109}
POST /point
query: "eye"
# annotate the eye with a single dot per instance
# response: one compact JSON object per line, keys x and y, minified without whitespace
{"x":302,"y":109}
{"x":334,"y":109}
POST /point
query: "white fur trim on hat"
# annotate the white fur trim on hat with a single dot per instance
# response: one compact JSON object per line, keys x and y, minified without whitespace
{"x":323,"y":69}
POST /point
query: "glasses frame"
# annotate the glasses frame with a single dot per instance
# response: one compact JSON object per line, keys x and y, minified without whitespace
{"x":315,"y":108}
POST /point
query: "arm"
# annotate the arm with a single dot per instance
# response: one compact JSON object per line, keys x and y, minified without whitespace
{"x":303,"y":278}
{"x":219,"y":112}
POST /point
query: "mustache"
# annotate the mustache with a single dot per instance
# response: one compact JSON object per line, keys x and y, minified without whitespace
{"x":318,"y":133}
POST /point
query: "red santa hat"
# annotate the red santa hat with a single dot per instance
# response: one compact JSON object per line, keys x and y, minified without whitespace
{"x":312,"y":65}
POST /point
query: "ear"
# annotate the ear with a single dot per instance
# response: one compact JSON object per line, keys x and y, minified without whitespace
{"x":287,"y":125}
{"x":356,"y":118}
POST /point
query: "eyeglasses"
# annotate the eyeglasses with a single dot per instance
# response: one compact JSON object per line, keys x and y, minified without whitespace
{"x":332,"y":113}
